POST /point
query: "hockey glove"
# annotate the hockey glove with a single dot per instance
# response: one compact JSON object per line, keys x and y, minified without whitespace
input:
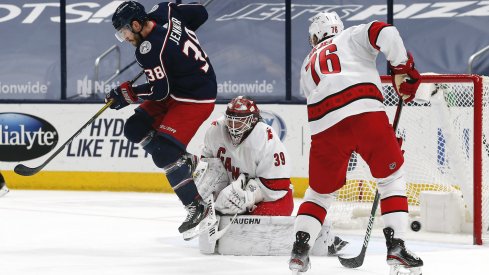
{"x":406,"y":79}
{"x":238,"y":197}
{"x":121,"y":96}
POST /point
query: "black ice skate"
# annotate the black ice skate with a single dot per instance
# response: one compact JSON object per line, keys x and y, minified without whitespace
{"x":3,"y":187}
{"x":197,"y":211}
{"x":401,"y":260}
{"x":337,"y":245}
{"x":299,"y":260}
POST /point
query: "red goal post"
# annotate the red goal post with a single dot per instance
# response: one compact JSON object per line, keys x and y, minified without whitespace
{"x":446,"y":143}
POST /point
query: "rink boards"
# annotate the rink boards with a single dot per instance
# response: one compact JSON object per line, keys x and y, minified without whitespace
{"x":100,"y":158}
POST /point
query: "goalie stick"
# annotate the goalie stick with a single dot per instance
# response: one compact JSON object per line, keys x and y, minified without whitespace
{"x":358,"y":260}
{"x":28,"y":171}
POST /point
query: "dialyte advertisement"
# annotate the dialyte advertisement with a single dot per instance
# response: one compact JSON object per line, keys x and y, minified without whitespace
{"x":244,"y":39}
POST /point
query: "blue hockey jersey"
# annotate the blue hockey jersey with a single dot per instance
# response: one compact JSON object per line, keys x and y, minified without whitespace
{"x":172,"y":58}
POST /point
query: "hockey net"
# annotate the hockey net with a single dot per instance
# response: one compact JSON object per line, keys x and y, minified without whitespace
{"x":446,"y":143}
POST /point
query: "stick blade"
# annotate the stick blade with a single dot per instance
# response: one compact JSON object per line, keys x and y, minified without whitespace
{"x":24,"y":170}
{"x":352,"y":262}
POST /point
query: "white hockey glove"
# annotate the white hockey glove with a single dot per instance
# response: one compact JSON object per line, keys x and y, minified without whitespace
{"x":238,"y":197}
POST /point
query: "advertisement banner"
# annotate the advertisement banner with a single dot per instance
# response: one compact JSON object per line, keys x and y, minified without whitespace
{"x":245,"y":41}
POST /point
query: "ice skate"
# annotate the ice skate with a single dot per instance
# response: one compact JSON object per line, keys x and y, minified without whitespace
{"x":401,"y":260}
{"x":3,"y":187}
{"x":337,"y":245}
{"x":299,"y":260}
{"x":196,"y":222}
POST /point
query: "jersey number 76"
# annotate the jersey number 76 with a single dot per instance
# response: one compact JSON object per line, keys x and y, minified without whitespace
{"x":329,"y":62}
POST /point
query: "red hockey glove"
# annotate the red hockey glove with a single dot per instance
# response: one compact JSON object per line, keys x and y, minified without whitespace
{"x":406,"y":79}
{"x":121,"y":96}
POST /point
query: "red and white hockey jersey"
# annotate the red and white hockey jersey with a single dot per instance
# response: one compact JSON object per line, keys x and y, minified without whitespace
{"x":339,"y":77}
{"x":261,"y":155}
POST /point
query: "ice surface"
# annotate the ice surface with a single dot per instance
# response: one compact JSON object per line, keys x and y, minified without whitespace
{"x":104,"y":233}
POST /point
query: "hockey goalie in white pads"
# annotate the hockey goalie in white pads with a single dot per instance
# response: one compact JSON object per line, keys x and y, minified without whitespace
{"x":258,"y":188}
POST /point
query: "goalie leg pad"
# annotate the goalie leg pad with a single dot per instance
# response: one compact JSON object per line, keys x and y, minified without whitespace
{"x":260,"y":236}
{"x":210,"y":177}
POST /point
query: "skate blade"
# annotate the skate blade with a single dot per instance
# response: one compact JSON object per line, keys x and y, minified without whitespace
{"x":402,"y":270}
{"x":298,"y":268}
{"x":294,"y":269}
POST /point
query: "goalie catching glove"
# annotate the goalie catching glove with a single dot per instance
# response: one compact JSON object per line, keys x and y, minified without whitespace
{"x":406,"y":79}
{"x":240,"y":196}
{"x":121,"y":96}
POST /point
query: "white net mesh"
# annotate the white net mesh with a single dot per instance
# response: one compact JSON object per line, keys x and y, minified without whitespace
{"x":439,"y":151}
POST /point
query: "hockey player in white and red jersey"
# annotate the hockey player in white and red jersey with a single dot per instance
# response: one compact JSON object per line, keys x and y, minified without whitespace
{"x":346,"y":114}
{"x":257,"y":168}
{"x":252,"y":154}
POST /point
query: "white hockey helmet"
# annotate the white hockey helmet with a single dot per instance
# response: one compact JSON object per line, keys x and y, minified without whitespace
{"x":325,"y":25}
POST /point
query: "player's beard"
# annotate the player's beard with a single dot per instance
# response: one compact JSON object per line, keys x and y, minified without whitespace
{"x":138,"y":39}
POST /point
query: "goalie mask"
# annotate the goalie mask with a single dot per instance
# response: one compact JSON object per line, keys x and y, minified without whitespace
{"x":324,"y":25}
{"x":242,"y":115}
{"x":124,"y":15}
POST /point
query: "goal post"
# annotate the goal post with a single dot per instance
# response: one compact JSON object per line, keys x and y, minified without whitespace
{"x":446,"y":149}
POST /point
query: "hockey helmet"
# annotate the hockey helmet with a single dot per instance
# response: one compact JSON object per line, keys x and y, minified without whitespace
{"x":242,"y":115}
{"x":124,"y":15}
{"x":325,"y":25}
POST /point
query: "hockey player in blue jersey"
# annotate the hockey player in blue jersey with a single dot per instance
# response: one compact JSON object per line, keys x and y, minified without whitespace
{"x":178,"y":97}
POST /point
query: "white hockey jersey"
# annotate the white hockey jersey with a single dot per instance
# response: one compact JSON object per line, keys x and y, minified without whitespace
{"x":261,"y":155}
{"x":339,"y":77}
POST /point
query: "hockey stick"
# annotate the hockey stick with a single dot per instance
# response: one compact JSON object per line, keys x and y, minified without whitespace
{"x":358,"y":260}
{"x":215,"y":234}
{"x":28,"y":171}
{"x":3,"y":187}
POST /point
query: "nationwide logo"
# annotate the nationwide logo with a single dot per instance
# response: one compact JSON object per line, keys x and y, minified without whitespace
{"x":86,"y":87}
{"x":28,"y":13}
{"x":276,"y":122}
{"x":406,"y":10}
{"x":25,"y":137}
